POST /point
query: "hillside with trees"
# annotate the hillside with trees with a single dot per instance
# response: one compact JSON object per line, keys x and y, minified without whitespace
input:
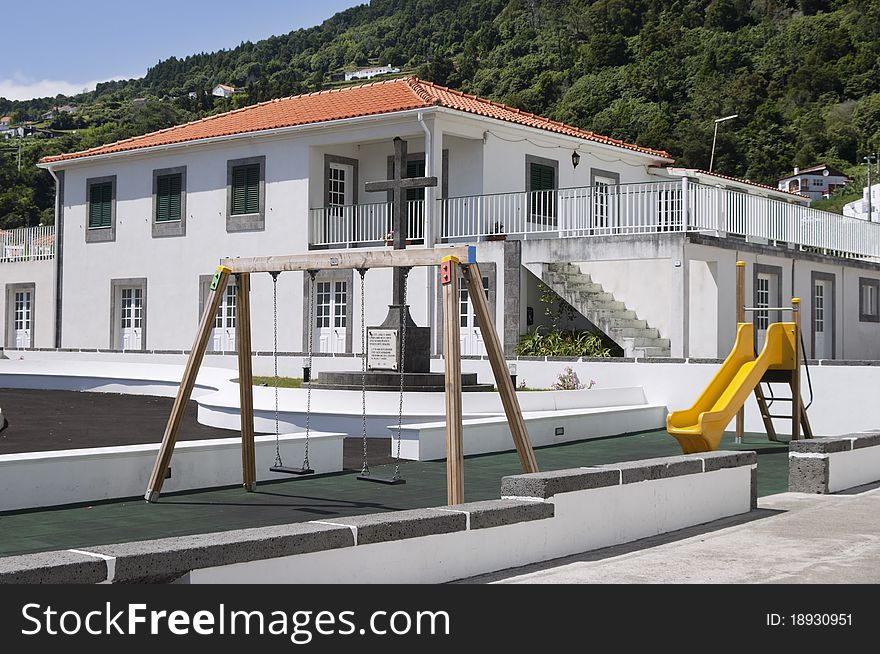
{"x":804,"y":76}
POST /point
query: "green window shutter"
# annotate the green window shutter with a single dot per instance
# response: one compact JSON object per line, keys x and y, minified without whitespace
{"x":542,"y":178}
{"x":100,"y":205}
{"x":168,"y":200}
{"x":415,"y":169}
{"x":246,"y":189}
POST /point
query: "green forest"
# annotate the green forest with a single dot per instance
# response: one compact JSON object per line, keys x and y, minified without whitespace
{"x":803,"y":75}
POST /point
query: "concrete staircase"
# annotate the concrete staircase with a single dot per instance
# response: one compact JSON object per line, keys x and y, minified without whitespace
{"x":618,"y":322}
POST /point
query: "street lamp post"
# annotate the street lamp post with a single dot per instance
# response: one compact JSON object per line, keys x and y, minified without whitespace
{"x":715,"y":138}
{"x":869,"y":161}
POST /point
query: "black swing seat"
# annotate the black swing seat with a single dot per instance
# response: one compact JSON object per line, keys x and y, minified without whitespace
{"x":292,"y":471}
{"x":388,"y":481}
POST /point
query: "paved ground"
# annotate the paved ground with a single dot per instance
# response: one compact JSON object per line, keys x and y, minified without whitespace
{"x":781,"y":542}
{"x":42,"y":421}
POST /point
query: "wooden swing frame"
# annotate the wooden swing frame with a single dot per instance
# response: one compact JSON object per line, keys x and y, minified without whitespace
{"x":453,"y":262}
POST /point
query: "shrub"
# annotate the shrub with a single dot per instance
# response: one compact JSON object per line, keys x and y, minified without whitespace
{"x":561,"y":343}
{"x":568,"y":381}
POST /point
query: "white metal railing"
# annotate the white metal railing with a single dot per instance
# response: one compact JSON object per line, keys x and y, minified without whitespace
{"x":362,"y":224}
{"x":27,"y":244}
{"x":646,"y":208}
{"x":586,"y":211}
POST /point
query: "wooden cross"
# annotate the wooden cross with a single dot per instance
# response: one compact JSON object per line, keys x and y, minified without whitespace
{"x":398,"y":186}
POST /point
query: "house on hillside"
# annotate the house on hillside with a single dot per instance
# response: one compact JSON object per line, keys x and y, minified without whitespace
{"x":5,"y":129}
{"x":816,"y":182}
{"x":370,"y":73}
{"x":865,"y":208}
{"x":644,"y":250}
{"x":223,"y":91}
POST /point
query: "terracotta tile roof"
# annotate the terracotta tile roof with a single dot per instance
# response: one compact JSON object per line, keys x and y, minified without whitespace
{"x":364,"y":100}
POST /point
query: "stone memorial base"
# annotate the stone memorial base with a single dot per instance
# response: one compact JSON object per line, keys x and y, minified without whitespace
{"x":386,"y":380}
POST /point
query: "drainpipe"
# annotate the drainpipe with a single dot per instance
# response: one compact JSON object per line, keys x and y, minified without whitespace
{"x":429,"y":233}
{"x":429,"y":172}
{"x":59,"y":246}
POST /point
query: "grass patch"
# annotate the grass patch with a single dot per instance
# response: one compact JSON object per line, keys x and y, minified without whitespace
{"x":283,"y":382}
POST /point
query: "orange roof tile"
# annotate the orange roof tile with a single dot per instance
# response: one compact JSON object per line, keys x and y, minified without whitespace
{"x":364,"y":100}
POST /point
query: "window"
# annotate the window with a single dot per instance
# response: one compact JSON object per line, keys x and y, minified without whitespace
{"x":869,"y":296}
{"x":542,"y":198}
{"x":322,"y":305}
{"x":762,"y":299}
{"x":101,"y":209}
{"x":168,"y":197}
{"x":819,"y":309}
{"x":225,"y":318}
{"x":340,"y":304}
{"x":169,"y":202}
{"x":101,"y":205}
{"x":336,"y":189}
{"x":245,"y":189}
{"x":245,"y":194}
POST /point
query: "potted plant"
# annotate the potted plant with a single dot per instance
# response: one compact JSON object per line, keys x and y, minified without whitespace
{"x":389,"y":239}
{"x":497,"y":232}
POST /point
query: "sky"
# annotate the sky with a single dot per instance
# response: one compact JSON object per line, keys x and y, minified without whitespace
{"x":70,"y":45}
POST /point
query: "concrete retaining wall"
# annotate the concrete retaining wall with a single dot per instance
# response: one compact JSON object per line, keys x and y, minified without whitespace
{"x":42,"y":479}
{"x":540,"y":516}
{"x":843,"y":390}
{"x":830,"y":465}
{"x":427,"y":441}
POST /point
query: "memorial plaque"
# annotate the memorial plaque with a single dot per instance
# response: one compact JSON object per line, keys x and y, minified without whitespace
{"x":382,"y":349}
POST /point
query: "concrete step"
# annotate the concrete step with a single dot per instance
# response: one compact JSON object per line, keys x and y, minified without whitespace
{"x":594,"y":296}
{"x":618,"y":322}
{"x":652,"y":352}
{"x":641,"y":341}
{"x":601,"y":305}
{"x":638,"y":332}
{"x":581,"y":286}
{"x":617,"y":314}
{"x":564,"y":279}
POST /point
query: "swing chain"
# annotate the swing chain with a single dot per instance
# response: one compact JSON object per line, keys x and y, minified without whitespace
{"x":403,"y":319}
{"x":278,"y":461}
{"x":365,"y":468}
{"x":312,"y":275}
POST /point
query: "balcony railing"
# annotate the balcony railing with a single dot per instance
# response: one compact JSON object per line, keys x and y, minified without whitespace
{"x":362,"y":224}
{"x":647,"y":208}
{"x":27,"y":244}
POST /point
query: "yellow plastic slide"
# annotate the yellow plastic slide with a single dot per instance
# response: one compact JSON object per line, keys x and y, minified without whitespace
{"x":700,"y":428}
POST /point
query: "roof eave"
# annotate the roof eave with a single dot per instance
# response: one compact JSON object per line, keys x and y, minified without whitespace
{"x":551,"y":133}
{"x":327,"y":124}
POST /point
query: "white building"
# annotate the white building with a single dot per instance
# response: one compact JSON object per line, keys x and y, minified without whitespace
{"x":370,"y":73}
{"x":142,"y":223}
{"x":816,"y":182}
{"x":223,"y":91}
{"x":860,"y":208}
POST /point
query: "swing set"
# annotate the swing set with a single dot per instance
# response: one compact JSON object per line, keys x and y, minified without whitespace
{"x":453,"y":262}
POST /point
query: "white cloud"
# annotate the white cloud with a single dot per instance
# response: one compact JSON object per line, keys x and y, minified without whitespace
{"x":21,"y":88}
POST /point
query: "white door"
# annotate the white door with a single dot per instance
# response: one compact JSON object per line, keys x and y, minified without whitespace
{"x":23,"y":319}
{"x":823,"y":320}
{"x":766,"y":290}
{"x":223,"y":335}
{"x":471,"y":338}
{"x":603,"y":207}
{"x":340,"y":216}
{"x":331,"y":316}
{"x":132,"y":318}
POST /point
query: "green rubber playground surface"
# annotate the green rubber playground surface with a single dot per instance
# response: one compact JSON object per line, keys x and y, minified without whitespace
{"x":324,"y":497}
